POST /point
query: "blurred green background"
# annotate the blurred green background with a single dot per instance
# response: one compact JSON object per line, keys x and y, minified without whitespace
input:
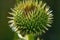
{"x":7,"y":34}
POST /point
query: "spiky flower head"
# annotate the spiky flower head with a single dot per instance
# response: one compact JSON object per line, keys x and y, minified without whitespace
{"x":30,"y":17}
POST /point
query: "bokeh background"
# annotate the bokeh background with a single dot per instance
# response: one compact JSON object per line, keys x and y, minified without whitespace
{"x":7,"y":34}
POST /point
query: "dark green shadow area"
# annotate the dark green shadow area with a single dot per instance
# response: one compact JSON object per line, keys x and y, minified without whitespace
{"x":5,"y":32}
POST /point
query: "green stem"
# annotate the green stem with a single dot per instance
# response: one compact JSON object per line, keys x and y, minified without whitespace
{"x":30,"y":37}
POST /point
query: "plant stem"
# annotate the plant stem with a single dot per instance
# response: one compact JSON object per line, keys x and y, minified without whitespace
{"x":30,"y":37}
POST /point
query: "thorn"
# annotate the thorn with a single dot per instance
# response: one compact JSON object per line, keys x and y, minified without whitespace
{"x":10,"y":17}
{"x":43,"y":5}
{"x":11,"y":21}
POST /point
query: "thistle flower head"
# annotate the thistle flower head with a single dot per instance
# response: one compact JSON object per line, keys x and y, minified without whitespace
{"x":30,"y":17}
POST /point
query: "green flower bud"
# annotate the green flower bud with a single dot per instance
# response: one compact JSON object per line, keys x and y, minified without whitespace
{"x":30,"y":17}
